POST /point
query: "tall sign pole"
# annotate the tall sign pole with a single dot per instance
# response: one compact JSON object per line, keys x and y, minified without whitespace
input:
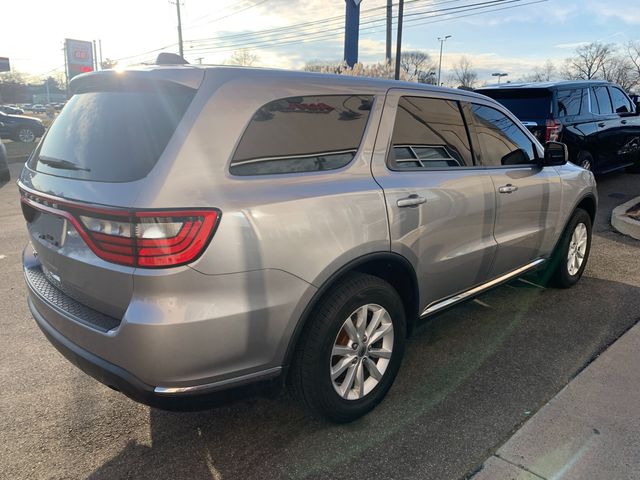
{"x":351,"y":31}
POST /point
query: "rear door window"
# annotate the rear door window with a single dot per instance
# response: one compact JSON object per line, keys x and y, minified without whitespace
{"x":571,"y":102}
{"x":115,"y":132}
{"x":527,"y":104}
{"x":602,"y":101}
{"x":302,"y":134}
{"x":621,"y":103}
{"x":429,"y":133}
{"x":501,"y":141}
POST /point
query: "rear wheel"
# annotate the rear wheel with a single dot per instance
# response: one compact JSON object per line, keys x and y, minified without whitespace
{"x":25,"y":135}
{"x":351,"y":349}
{"x":572,"y":252}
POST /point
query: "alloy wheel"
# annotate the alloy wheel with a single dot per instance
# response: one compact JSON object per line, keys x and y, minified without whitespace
{"x":26,"y":135}
{"x":361,"y":352}
{"x":577,"y":249}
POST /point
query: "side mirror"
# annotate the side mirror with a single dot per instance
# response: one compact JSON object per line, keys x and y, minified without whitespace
{"x":555,"y":154}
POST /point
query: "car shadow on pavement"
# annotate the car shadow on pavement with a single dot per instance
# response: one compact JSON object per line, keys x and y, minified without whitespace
{"x":469,"y":378}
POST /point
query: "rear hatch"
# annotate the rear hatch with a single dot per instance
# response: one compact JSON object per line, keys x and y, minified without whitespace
{"x":79,"y":185}
{"x":532,"y":106}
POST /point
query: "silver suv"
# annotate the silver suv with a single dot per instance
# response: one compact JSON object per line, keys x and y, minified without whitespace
{"x":196,"y":229}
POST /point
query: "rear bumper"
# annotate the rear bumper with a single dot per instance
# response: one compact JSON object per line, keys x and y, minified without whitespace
{"x":196,"y":396}
{"x":182,"y":340}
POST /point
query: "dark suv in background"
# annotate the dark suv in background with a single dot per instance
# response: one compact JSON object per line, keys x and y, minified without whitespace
{"x":595,"y":119}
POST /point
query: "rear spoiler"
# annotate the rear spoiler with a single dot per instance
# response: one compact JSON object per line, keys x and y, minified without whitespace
{"x":179,"y":74}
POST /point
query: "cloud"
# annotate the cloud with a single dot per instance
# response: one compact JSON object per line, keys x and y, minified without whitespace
{"x":571,"y":45}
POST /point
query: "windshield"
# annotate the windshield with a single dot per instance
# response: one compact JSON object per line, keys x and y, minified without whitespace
{"x":113,"y":134}
{"x":528,"y":104}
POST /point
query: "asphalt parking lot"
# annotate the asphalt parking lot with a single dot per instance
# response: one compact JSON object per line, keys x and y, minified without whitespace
{"x":470,"y":378}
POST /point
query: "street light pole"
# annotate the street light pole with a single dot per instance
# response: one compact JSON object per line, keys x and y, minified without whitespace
{"x":499,"y":75}
{"x":441,"y":40}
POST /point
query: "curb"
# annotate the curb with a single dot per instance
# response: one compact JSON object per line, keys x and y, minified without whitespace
{"x":624,"y":224}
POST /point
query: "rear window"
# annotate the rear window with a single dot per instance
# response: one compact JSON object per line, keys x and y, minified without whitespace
{"x":572,"y":102}
{"x":526,"y":104}
{"x":113,"y":133}
{"x":302,"y":134}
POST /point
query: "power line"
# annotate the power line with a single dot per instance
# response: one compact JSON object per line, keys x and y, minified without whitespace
{"x":226,"y":16}
{"x":300,"y":28}
{"x":372,"y":28}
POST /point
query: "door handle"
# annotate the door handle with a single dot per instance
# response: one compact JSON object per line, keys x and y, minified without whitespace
{"x":411,"y":201}
{"x":624,"y":122}
{"x":601,"y":124}
{"x":508,"y":188}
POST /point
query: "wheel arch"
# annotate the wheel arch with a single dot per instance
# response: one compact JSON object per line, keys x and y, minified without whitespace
{"x":390,"y":267}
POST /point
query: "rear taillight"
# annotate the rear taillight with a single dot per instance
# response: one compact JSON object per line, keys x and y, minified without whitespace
{"x":151,"y":239}
{"x":552,"y":133}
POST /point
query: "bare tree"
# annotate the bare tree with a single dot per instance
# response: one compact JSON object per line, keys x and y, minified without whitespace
{"x":621,"y":70}
{"x":374,"y":70}
{"x":242,"y":57}
{"x":589,"y":62}
{"x":633,"y":52}
{"x":417,"y":66}
{"x":464,"y":74}
{"x":544,"y":73}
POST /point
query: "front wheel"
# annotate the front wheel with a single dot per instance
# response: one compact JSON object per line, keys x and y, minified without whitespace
{"x":25,"y":135}
{"x":572,"y":252}
{"x":351,"y":349}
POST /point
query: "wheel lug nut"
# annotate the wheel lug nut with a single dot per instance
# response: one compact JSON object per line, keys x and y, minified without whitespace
{"x":354,"y":361}
{"x":354,"y":346}
{"x":364,"y":339}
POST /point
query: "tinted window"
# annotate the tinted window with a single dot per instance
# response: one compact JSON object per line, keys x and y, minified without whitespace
{"x":602,"y":101}
{"x":526,"y":104}
{"x":501,"y":141}
{"x":570,"y":102}
{"x":302,"y":134}
{"x":113,"y":135}
{"x":429,"y":133}
{"x":621,"y":103}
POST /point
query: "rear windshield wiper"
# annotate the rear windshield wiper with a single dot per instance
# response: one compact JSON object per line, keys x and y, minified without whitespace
{"x":63,"y":164}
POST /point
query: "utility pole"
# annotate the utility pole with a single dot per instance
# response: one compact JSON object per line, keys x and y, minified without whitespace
{"x":180,"y":49}
{"x":100,"y":52}
{"x":399,"y":38}
{"x":389,"y":27}
{"x":441,"y":40}
{"x":199,"y":60}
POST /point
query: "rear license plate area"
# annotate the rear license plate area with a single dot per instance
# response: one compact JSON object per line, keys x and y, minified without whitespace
{"x":49,"y":229}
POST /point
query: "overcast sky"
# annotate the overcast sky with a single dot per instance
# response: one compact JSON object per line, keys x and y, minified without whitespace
{"x":512,"y":40}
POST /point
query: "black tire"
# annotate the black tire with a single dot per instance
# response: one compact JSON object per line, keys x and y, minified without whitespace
{"x":310,"y":376}
{"x":585,"y":160}
{"x":557,"y":273}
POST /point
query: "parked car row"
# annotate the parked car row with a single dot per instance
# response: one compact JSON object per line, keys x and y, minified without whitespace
{"x":597,"y":120}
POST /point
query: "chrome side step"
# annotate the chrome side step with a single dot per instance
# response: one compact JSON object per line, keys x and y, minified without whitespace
{"x":441,"y":304}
